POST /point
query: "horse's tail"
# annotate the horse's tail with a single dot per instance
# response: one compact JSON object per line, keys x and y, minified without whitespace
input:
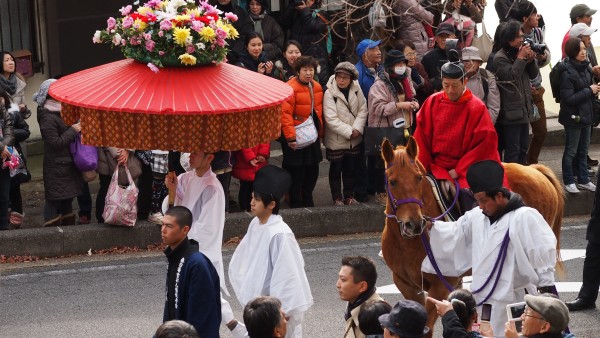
{"x":558,"y":217}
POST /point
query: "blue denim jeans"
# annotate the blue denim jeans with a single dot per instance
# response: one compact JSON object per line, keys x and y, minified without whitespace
{"x":574,"y":160}
{"x":4,"y":193}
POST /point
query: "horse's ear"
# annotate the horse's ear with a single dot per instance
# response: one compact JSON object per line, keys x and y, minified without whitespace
{"x":387,"y":151}
{"x":412,"y":149}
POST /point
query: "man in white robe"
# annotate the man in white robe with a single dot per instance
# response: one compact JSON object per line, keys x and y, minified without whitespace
{"x":268,"y":261}
{"x":475,"y":240}
{"x":200,"y":191}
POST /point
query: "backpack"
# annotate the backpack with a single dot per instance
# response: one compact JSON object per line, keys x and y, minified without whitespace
{"x":555,"y":74}
{"x":484,"y":83}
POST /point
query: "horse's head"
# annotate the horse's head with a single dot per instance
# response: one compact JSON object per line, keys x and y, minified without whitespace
{"x":404,"y":175}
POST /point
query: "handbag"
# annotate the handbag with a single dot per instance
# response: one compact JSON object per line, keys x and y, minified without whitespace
{"x":134,"y":164}
{"x":596,"y":112}
{"x":374,"y":137}
{"x":121,"y":202}
{"x":484,"y":43}
{"x":85,"y":157}
{"x":306,"y":132}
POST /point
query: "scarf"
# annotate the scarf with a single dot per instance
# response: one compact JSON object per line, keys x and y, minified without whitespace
{"x":10,"y":84}
{"x":358,"y":302}
{"x":52,"y":105}
{"x":399,"y":84}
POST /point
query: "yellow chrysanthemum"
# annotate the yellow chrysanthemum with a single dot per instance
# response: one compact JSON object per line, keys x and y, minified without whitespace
{"x":145,"y":10}
{"x":207,"y":34}
{"x":187,"y":59}
{"x":232,"y":33}
{"x":194,"y":13}
{"x":183,"y":18}
{"x":180,"y":35}
{"x":141,"y":25}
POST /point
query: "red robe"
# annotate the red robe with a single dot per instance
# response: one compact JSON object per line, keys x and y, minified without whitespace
{"x":454,"y":135}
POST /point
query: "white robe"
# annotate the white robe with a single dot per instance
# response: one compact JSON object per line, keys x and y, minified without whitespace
{"x":268,"y":262}
{"x":471,"y":242}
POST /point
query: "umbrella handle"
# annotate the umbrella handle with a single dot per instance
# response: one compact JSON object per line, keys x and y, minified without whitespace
{"x":172,"y":189}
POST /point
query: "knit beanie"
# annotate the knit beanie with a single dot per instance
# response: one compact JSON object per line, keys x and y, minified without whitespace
{"x":41,"y":95}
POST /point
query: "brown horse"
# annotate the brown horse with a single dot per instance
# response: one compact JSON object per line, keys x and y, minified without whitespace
{"x":401,"y":245}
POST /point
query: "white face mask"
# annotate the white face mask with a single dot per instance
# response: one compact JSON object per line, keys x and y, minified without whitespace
{"x":400,"y":70}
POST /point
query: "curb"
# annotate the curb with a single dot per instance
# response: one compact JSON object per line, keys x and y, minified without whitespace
{"x":79,"y":239}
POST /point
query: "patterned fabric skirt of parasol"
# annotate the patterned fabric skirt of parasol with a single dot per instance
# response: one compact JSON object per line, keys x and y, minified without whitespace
{"x":186,"y":133}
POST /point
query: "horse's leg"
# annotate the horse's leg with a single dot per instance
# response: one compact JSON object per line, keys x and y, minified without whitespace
{"x":410,"y":291}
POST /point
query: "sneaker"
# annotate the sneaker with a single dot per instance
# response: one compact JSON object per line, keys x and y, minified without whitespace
{"x":382,"y":198}
{"x":571,"y":188}
{"x":588,"y":186}
{"x":338,"y":202}
{"x":350,"y":201}
{"x":156,"y":218}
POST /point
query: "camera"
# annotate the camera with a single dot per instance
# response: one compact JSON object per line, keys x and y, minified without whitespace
{"x":538,"y":48}
{"x":486,"y":316}
{"x":514,"y":313}
{"x":399,"y":123}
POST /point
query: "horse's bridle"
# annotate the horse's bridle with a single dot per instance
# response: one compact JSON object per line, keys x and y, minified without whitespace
{"x":398,"y":202}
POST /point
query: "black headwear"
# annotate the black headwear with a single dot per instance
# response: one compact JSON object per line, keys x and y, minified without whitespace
{"x":485,"y":175}
{"x":393,"y":57}
{"x":453,"y":70}
{"x":272,"y":180}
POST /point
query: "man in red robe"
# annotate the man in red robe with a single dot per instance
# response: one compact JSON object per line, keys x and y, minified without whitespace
{"x":454,"y":130}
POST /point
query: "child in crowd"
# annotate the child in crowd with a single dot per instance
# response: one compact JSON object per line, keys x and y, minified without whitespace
{"x":268,"y":261}
{"x":248,"y":162}
{"x":159,"y":165}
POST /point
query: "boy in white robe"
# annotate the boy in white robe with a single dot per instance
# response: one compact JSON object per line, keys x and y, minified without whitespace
{"x":476,"y":239}
{"x":200,"y":191}
{"x":268,"y":261}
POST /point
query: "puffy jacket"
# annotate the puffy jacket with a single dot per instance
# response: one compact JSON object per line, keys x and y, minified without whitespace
{"x":245,"y":171}
{"x":6,"y":123}
{"x":576,"y":95}
{"x":62,"y":180}
{"x":342,"y":116}
{"x":412,"y":17}
{"x":297,"y":109}
{"x":514,"y":74}
{"x":382,"y":105}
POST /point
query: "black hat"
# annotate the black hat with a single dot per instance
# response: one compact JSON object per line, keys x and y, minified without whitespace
{"x":453,"y":70}
{"x":393,"y":57}
{"x":485,"y":175}
{"x":272,"y":180}
{"x":407,"y":319}
{"x":445,"y":28}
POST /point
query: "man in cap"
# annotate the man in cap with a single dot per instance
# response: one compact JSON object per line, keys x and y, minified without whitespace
{"x":268,"y":261}
{"x":434,"y":59}
{"x":454,"y":130}
{"x":516,"y":65}
{"x":481,"y":82}
{"x":527,"y":14}
{"x":369,"y":67}
{"x":544,"y":317}
{"x":584,"y":32}
{"x":407,"y":319}
{"x":580,"y":13}
{"x":502,"y":230}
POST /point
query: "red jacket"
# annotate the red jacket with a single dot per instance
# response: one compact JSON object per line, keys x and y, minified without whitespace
{"x":454,"y":135}
{"x":242,"y":169}
{"x":297,"y":109}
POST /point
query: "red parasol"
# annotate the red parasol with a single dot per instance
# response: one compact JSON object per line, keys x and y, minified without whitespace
{"x":216,"y":107}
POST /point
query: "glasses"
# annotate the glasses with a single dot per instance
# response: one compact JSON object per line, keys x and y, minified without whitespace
{"x":411,"y":54}
{"x":527,"y":314}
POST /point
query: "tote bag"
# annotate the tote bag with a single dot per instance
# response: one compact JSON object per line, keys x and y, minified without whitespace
{"x":85,"y":157}
{"x":121,"y":203}
{"x":484,"y":43}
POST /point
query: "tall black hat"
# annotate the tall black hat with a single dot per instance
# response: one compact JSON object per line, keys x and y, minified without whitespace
{"x":485,"y":175}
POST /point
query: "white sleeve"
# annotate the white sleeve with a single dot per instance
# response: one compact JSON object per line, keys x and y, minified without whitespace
{"x":451,"y":246}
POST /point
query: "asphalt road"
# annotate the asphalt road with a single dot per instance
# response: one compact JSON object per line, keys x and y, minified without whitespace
{"x":122,"y":295}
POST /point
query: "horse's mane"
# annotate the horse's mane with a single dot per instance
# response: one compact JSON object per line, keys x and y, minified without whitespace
{"x":402,"y":158}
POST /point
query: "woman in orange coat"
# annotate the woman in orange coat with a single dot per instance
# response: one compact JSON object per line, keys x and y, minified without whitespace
{"x":302,"y":164}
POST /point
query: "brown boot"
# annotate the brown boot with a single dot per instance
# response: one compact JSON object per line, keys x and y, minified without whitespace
{"x":68,"y":219}
{"x":53,"y":222}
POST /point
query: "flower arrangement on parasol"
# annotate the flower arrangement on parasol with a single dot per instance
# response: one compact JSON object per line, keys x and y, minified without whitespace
{"x":171,"y":33}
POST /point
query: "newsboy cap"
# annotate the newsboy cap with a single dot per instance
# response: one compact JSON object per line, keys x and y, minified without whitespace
{"x":552,"y":309}
{"x":407,"y":319}
{"x":471,"y":53}
{"x":348,"y":68}
{"x":581,"y":10}
{"x":485,"y":175}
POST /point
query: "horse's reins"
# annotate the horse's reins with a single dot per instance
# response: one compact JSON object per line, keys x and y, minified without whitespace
{"x":499,"y":260}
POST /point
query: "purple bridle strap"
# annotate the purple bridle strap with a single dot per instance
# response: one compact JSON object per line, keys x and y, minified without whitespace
{"x":434,"y":263}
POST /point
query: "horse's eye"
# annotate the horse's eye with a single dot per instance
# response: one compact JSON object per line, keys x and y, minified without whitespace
{"x":419,"y":177}
{"x":393,"y":183}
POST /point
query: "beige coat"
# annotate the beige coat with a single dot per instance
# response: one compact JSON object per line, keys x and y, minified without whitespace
{"x":342,"y":116}
{"x":352,"y":330}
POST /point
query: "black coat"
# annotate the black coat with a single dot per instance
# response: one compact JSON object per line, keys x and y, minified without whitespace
{"x":576,"y":96}
{"x":272,"y":34}
{"x":62,"y":180}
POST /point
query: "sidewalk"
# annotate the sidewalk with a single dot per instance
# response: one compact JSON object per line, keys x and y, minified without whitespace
{"x":325,"y":219}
